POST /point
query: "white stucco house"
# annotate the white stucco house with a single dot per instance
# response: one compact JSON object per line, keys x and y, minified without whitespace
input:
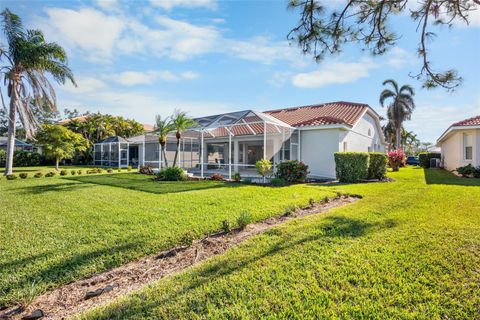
{"x":234,"y":142}
{"x":460,"y":144}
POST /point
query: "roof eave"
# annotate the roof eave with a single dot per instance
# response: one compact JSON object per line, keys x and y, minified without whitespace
{"x":454,"y":128}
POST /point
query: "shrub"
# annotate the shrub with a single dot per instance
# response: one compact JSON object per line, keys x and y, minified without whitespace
{"x":292,"y":171}
{"x":216,"y":177}
{"x":129,"y":168}
{"x":278,"y":182}
{"x":119,"y":170}
{"x":290,"y":210}
{"x":226,"y":226}
{"x":99,"y":170}
{"x":63,"y":172}
{"x":172,"y":174}
{"x":11,"y":177}
{"x":377,"y":166}
{"x":237,"y":177}
{"x":23,"y":175}
{"x":50,"y":174}
{"x":424,"y":158}
{"x":110,"y":170}
{"x":26,"y":158}
{"x":146,"y":170}
{"x":73,"y":172}
{"x":247,"y":180}
{"x":469,"y":171}
{"x":244,"y":219}
{"x":3,"y":157}
{"x":92,"y":171}
{"x":263,"y":167}
{"x":396,"y":159}
{"x":38,"y":175}
{"x":351,"y":166}
{"x":79,"y":172}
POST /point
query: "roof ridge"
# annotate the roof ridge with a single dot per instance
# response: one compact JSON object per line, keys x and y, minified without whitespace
{"x":465,"y":120}
{"x":353,"y":104}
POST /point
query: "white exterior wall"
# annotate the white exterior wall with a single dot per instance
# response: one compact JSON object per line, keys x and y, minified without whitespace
{"x":317,"y":149}
{"x":366,"y":133}
{"x":453,"y":149}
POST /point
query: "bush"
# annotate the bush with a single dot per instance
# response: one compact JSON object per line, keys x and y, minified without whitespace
{"x":292,"y":171}
{"x":99,"y":170}
{"x":351,"y":166}
{"x":396,"y":159}
{"x":146,"y":170}
{"x":244,"y":219}
{"x":73,"y":172}
{"x":50,"y":174}
{"x":172,"y":174}
{"x":23,"y":175}
{"x":469,"y":171}
{"x":226,"y":226}
{"x":377,"y":166}
{"x":38,"y":175}
{"x":263,"y":167}
{"x":290,"y":210}
{"x":424,"y":158}
{"x":278,"y":182}
{"x":237,"y":177}
{"x":92,"y":171}
{"x":3,"y":157}
{"x":216,"y":177}
{"x":79,"y":172}
{"x":129,"y":168}
{"x":26,"y":158}
{"x":63,"y":172}
{"x":11,"y":177}
{"x":110,"y":170}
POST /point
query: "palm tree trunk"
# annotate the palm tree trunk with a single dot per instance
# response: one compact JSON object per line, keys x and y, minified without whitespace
{"x":176,"y":153}
{"x":164,"y":153}
{"x":11,"y":129}
{"x":398,"y":141}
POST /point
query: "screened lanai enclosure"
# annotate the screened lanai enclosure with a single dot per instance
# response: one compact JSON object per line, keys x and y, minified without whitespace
{"x":225,"y":144}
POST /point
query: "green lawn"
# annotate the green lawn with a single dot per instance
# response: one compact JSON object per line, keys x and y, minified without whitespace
{"x":55,"y":230}
{"x":408,"y":249}
{"x":43,"y":169}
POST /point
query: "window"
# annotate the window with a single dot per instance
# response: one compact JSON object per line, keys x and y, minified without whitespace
{"x":467,"y":147}
{"x":369,"y":132}
{"x":345,"y":146}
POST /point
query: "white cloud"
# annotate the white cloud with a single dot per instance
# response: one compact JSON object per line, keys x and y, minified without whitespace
{"x":88,"y":30}
{"x":85,"y":85}
{"x":339,"y":72}
{"x":170,"y":4}
{"x":108,"y":5}
{"x":132,"y":78}
{"x":398,"y":57}
{"x":279,"y":79}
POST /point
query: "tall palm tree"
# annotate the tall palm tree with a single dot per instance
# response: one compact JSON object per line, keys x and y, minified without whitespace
{"x":400,"y":107}
{"x":27,"y":59}
{"x":163,"y":126}
{"x":180,"y":123}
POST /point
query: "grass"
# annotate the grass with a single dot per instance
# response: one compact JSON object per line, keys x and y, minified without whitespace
{"x":408,"y":250}
{"x":43,"y":169}
{"x":56,"y":230}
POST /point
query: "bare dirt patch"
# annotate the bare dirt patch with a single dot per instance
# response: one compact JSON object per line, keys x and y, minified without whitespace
{"x":102,"y":288}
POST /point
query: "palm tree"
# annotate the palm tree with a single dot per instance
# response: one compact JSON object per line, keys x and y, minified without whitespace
{"x":163,"y":126}
{"x":400,"y":108}
{"x":180,"y":123}
{"x":28,"y":59}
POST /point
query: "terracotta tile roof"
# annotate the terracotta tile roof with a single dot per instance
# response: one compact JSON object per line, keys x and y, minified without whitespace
{"x":473,"y":121}
{"x":340,"y":112}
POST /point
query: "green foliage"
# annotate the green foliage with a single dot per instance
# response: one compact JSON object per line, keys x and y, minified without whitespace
{"x":290,"y":210}
{"x":23,"y":175}
{"x":263,"y":167}
{"x":38,"y":175}
{"x":63,"y":172}
{"x":73,"y":172}
{"x":12,"y":177}
{"x":79,"y":171}
{"x":110,"y":170}
{"x":469,"y":171}
{"x":237,"y":177}
{"x":351,"y":166}
{"x":226,"y":226}
{"x":60,"y":142}
{"x":172,"y":174}
{"x":424,"y":158}
{"x":26,"y":159}
{"x":244,"y":219}
{"x":129,"y":168}
{"x":50,"y":174}
{"x":278,"y":182}
{"x":377,"y":167}
{"x":292,"y":171}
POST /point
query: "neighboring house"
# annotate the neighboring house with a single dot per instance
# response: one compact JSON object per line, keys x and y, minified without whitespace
{"x":146,"y":127}
{"x":460,"y":144}
{"x":19,"y":144}
{"x":233,"y":142}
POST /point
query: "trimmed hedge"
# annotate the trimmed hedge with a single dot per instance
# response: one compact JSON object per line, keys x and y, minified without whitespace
{"x":377,"y":167}
{"x":22,"y":158}
{"x":292,"y":171}
{"x":424,"y":158}
{"x":351,"y":166}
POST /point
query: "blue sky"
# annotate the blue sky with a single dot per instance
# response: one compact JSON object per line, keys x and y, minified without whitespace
{"x":138,"y":59}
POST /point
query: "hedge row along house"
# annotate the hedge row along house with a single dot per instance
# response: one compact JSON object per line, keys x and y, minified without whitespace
{"x":234,"y":142}
{"x":460,"y":144}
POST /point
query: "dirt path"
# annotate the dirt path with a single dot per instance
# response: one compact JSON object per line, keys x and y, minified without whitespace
{"x":70,"y":299}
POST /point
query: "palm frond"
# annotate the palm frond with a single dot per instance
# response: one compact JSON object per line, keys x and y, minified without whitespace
{"x":409,"y":89}
{"x":393,"y":83}
{"x":386,"y":94}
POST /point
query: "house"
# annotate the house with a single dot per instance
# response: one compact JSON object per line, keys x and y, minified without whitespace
{"x":19,"y":144}
{"x":460,"y":144}
{"x":234,"y":142}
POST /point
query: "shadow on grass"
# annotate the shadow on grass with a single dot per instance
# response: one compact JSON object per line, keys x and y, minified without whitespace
{"x":440,"y":176}
{"x":65,"y":270}
{"x":336,"y":227}
{"x":138,"y":182}
{"x":55,"y":187}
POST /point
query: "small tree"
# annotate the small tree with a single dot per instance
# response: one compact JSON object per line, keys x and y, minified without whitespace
{"x":180,"y":122}
{"x":60,"y":142}
{"x":163,"y":126}
{"x":396,"y":159}
{"x":263,"y":167}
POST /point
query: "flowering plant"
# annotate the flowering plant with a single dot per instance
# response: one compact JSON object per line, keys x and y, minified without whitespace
{"x":292,"y":171}
{"x":396,"y":159}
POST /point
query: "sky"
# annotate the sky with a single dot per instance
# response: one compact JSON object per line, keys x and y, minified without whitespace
{"x":138,"y":59}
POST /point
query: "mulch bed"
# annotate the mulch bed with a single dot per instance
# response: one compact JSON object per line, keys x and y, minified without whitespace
{"x":100,"y":289}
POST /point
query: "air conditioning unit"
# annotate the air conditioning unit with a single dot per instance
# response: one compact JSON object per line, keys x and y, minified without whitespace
{"x":434,"y":163}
